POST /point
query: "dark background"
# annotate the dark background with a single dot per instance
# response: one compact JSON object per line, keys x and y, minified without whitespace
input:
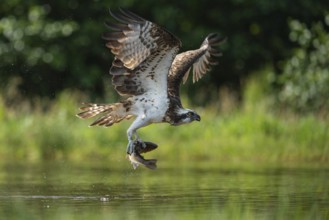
{"x":49,"y":46}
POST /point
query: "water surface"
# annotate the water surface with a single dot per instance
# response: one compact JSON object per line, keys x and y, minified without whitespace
{"x":62,"y":190}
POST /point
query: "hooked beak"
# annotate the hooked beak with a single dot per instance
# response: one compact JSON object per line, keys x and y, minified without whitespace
{"x":197,"y":117}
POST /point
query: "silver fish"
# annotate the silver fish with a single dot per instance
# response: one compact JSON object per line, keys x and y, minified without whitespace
{"x":136,"y":159}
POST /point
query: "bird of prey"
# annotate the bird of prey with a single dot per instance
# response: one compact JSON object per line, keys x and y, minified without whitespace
{"x":148,"y":71}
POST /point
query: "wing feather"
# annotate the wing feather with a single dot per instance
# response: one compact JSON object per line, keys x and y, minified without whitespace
{"x":200,"y":60}
{"x":143,"y":53}
{"x":209,"y":58}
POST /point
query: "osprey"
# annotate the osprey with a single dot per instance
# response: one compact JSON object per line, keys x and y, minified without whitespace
{"x":147,"y":70}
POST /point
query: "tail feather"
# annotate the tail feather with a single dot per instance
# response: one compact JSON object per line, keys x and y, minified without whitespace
{"x":109,"y":113}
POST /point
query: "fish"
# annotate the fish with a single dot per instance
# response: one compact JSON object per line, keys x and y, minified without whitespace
{"x":137,"y":159}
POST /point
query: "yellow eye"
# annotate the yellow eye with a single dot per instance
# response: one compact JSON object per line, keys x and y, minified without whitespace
{"x":189,"y":114}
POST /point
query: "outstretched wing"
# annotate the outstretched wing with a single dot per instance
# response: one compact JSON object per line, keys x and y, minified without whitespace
{"x":201,"y":60}
{"x":143,"y":54}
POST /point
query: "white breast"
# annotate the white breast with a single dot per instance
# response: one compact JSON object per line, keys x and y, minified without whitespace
{"x":150,"y":106}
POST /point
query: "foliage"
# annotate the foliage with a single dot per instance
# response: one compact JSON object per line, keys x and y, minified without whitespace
{"x":56,"y":45}
{"x":305,"y":80}
{"x":251,"y":134}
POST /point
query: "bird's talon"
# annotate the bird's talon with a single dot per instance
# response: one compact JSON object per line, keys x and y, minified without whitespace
{"x":130,"y":147}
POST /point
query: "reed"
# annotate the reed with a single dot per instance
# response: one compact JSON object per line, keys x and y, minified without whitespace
{"x":252,"y":131}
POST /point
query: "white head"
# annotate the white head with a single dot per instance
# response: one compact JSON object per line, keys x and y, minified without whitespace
{"x":184,"y":116}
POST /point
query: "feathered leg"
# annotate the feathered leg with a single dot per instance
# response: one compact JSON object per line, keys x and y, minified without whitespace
{"x":137,"y":146}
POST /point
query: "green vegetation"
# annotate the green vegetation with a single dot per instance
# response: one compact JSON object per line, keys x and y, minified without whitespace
{"x":252,"y":132}
{"x":305,"y":79}
{"x":261,"y":150}
{"x":56,"y":45}
{"x":52,"y":56}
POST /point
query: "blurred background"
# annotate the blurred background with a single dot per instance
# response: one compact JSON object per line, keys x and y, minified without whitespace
{"x":261,"y":150}
{"x":268,"y":98}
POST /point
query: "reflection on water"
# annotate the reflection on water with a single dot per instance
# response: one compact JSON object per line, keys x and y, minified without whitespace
{"x":65,"y":191}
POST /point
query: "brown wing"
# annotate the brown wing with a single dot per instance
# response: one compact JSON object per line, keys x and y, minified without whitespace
{"x":143,"y":54}
{"x":201,"y":60}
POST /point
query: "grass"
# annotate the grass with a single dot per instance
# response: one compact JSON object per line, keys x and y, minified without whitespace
{"x":252,"y":132}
